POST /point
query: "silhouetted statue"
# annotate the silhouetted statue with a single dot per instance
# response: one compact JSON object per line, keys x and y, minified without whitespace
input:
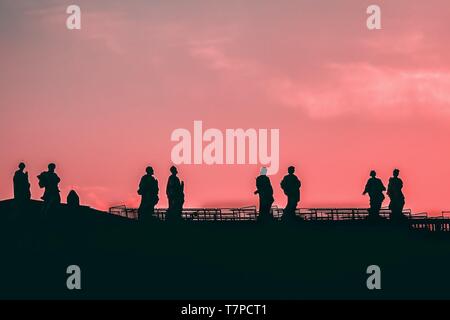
{"x":73,"y":200}
{"x":175,"y":195}
{"x":291,"y":187}
{"x":265,"y":191}
{"x":395,"y":193}
{"x":374,"y":187}
{"x":148,"y":190}
{"x":50,"y":180}
{"x":21,"y":184}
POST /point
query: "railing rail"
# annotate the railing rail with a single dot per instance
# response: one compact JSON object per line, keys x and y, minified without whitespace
{"x":418,"y":220}
{"x":251,"y":213}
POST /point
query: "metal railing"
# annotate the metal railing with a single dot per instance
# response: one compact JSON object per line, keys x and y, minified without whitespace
{"x":419,"y":220}
{"x":250,"y":213}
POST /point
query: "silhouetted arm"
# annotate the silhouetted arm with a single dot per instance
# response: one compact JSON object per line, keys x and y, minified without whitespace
{"x":283,"y":183}
{"x":258,"y":186}
{"x":169,"y":187}
{"x":27,"y":181}
{"x":366,"y":189}
{"x":141,"y":185}
{"x":389,"y":189}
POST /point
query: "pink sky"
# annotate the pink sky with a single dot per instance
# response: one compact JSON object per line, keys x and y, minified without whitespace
{"x":102,"y":102}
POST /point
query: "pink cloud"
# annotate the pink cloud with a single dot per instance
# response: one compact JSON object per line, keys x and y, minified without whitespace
{"x":367,"y":89}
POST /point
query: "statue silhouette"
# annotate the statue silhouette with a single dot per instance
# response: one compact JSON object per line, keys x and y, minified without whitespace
{"x":148,"y":190}
{"x":21,"y":184}
{"x":175,"y":195}
{"x":265,"y":191}
{"x":396,"y":196}
{"x":291,"y":187}
{"x":73,"y":200}
{"x":374,"y":187}
{"x":50,"y":180}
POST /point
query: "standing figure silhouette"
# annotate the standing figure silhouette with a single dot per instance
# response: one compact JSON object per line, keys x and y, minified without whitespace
{"x":175,"y":195}
{"x":21,"y":184}
{"x":291,"y":187}
{"x":265,"y":191}
{"x":374,"y":187}
{"x":395,"y":193}
{"x":50,"y":180}
{"x":148,"y":190}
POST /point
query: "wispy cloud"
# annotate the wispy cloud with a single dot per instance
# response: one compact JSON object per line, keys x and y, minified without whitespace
{"x":369,"y":89}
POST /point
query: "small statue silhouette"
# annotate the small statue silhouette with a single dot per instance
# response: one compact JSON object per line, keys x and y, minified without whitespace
{"x":73,"y":200}
{"x":50,"y":180}
{"x":175,"y":195}
{"x":374,"y":187}
{"x":148,"y":190}
{"x":396,"y":196}
{"x":291,"y":187}
{"x":265,"y":191}
{"x":21,"y":184}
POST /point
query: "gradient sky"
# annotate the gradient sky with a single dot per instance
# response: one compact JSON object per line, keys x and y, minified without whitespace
{"x":102,"y":102}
